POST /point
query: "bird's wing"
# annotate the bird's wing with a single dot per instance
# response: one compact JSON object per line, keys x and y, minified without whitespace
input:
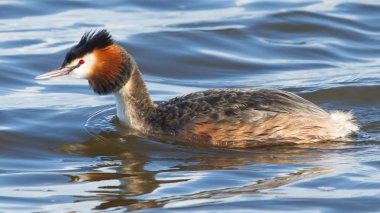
{"x":231,"y":105}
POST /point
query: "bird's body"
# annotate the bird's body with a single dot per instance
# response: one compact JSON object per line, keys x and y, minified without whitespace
{"x":229,"y":118}
{"x":232,"y":118}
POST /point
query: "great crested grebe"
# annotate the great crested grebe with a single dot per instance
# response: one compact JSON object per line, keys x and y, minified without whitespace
{"x":230,"y":118}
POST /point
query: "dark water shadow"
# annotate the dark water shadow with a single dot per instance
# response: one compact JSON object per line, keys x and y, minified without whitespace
{"x":137,"y":179}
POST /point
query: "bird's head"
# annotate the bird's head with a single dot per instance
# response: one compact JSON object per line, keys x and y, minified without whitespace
{"x":97,"y":58}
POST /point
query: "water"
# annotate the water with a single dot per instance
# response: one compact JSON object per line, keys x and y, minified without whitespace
{"x":62,"y":150}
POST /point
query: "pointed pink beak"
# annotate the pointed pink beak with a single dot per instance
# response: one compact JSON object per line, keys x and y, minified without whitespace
{"x":55,"y":73}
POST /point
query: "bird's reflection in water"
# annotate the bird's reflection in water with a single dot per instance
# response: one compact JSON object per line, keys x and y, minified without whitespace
{"x":142,"y":160}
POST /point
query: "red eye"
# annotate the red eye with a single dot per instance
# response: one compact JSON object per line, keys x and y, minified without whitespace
{"x":81,"y":62}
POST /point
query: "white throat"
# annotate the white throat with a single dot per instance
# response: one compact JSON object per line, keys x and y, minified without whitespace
{"x":120,"y":109}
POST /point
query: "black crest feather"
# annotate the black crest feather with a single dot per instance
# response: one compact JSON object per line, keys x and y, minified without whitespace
{"x":90,"y":40}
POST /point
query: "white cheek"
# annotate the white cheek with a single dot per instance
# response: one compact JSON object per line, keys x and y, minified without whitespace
{"x":84,"y":70}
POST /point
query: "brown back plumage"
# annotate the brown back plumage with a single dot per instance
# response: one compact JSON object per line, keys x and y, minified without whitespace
{"x":240,"y":117}
{"x":232,"y":105}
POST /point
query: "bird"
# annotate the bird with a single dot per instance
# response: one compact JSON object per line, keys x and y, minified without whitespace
{"x":225,"y":118}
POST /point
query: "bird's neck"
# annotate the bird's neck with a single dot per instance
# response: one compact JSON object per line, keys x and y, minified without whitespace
{"x":133,"y":102}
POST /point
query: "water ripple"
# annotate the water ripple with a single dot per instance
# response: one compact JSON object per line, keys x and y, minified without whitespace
{"x":62,"y":148}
